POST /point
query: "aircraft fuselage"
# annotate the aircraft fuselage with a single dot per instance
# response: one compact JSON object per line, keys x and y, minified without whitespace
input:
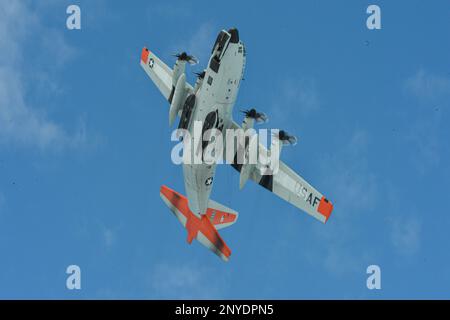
{"x":214,"y":101}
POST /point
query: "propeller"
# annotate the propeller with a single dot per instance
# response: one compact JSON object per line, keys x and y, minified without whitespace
{"x":185,"y":57}
{"x":286,"y":138}
{"x":200,"y":75}
{"x":259,"y":117}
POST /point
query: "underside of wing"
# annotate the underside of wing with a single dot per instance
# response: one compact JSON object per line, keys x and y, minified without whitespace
{"x":158,"y":71}
{"x":291,"y":187}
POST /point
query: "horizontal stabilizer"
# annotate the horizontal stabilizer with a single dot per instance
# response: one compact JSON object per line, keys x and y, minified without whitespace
{"x":220,"y":216}
{"x":285,"y":183}
{"x":203,"y":228}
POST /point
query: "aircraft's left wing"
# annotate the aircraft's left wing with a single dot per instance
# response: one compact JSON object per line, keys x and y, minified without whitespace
{"x":291,"y":187}
{"x":159,"y":72}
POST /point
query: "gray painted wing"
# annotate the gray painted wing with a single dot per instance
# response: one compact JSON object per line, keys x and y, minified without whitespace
{"x":291,"y":187}
{"x":159,"y":72}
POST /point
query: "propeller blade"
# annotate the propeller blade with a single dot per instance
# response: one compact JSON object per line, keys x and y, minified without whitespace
{"x":286,"y":138}
{"x":292,"y":140}
{"x":183,"y":56}
{"x":200,"y":75}
{"x":259,"y":117}
{"x":192,"y":60}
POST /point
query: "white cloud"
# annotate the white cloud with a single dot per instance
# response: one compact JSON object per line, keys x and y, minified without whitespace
{"x":353,"y":189}
{"x":297,"y":97}
{"x":404,"y":225}
{"x":171,"y":12}
{"x":426,"y":85}
{"x":405,"y":234}
{"x":199,"y":42}
{"x":301,"y":94}
{"x":355,"y":186}
{"x":340,"y":261}
{"x":109,"y":237}
{"x":424,"y":130}
{"x":425,"y":137}
{"x":185,"y":281}
{"x":21,"y":121}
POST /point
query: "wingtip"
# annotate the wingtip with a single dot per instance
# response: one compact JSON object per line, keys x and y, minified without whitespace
{"x":144,"y":55}
{"x":325,"y":208}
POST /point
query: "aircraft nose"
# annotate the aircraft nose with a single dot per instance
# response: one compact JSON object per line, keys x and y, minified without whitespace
{"x":234,"y":35}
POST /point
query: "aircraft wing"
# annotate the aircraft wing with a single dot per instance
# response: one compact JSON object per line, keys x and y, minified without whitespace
{"x":291,"y":187}
{"x":159,"y":72}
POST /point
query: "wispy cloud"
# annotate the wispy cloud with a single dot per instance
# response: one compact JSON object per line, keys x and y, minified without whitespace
{"x":353,"y":188}
{"x":197,"y":41}
{"x":109,"y":237}
{"x":301,"y":94}
{"x":432,"y":96}
{"x":109,"y":233}
{"x":297,"y":97}
{"x":426,"y":140}
{"x":426,"y":85}
{"x":403,"y":225}
{"x":185,"y":281}
{"x":21,"y":121}
{"x":405,"y":234}
{"x":172,"y":12}
{"x":355,"y":185}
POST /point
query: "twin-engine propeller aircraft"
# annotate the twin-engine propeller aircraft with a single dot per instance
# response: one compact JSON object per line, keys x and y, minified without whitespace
{"x":211,"y":101}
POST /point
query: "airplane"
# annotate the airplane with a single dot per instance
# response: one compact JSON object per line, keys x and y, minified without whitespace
{"x":211,"y":101}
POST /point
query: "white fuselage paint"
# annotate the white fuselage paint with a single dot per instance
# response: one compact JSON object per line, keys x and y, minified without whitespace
{"x":217,"y":93}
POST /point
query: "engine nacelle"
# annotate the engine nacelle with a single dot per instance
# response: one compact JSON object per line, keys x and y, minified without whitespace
{"x":188,"y":108}
{"x":178,"y":70}
{"x":252,"y":116}
{"x":178,"y":98}
{"x":248,"y":123}
{"x":247,"y":167}
{"x":198,"y":84}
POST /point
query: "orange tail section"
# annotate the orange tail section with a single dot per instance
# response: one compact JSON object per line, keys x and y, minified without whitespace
{"x":201,"y":228}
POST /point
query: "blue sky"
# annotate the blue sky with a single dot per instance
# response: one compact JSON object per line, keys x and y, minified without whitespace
{"x":85,"y":147}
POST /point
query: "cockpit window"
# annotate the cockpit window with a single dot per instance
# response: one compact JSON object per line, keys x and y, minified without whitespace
{"x":220,"y":43}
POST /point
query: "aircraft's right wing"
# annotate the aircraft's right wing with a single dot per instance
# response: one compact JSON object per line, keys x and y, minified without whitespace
{"x":289,"y":186}
{"x":159,"y":72}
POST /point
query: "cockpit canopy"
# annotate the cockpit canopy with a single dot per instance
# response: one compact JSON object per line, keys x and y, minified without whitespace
{"x":221,"y":41}
{"x":220,"y":46}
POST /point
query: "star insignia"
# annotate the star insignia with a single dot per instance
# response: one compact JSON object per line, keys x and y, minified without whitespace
{"x":209,"y":181}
